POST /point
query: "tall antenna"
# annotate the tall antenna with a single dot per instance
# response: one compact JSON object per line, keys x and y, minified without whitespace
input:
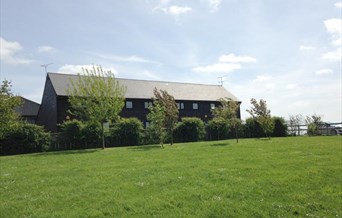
{"x":45,"y":67}
{"x":220,"y":82}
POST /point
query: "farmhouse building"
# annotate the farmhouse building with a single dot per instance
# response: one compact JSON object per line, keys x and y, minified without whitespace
{"x":28,"y":111}
{"x":193,"y":100}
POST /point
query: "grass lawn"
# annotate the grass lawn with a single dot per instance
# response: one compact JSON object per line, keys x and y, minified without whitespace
{"x":284,"y":177}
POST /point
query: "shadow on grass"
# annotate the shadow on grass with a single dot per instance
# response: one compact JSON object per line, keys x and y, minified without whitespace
{"x":219,"y":144}
{"x":146,"y":147}
{"x":88,"y":151}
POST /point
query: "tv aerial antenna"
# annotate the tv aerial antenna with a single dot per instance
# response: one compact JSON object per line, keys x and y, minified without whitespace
{"x":45,"y":67}
{"x":220,"y":80}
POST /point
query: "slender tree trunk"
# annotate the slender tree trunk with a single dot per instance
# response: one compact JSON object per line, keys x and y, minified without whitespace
{"x":103,"y":141}
{"x":171,"y":135}
{"x":236,"y":135}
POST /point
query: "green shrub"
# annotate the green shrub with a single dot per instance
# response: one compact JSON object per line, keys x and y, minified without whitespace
{"x":312,"y":128}
{"x":280,"y":127}
{"x":91,"y":135}
{"x":217,"y":129}
{"x":253,"y":129}
{"x":128,"y":131}
{"x":71,"y":134}
{"x":191,"y":129}
{"x":25,"y":138}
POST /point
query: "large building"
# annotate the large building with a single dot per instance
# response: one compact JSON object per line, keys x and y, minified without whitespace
{"x":193,"y":100}
{"x":28,"y":111}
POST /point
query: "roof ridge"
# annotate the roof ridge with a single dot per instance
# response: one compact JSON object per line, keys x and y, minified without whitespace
{"x":145,"y":80}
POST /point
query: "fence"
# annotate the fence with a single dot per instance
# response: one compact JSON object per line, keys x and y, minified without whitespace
{"x":302,"y":129}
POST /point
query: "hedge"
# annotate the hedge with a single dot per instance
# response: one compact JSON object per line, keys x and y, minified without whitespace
{"x":191,"y":129}
{"x":25,"y":138}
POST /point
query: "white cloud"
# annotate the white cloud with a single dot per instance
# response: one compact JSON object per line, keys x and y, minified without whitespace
{"x":75,"y":69}
{"x":333,"y":55}
{"x":337,"y":42}
{"x":10,"y":52}
{"x":225,"y":64}
{"x":232,"y":58}
{"x":46,"y":49}
{"x":218,"y":68}
{"x":291,"y":86}
{"x":261,"y":78}
{"x":133,"y":58}
{"x":176,"y":10}
{"x":334,"y":26}
{"x":214,"y":5}
{"x":324,"y":72}
{"x":306,"y":48}
{"x":164,"y":6}
{"x":338,"y":4}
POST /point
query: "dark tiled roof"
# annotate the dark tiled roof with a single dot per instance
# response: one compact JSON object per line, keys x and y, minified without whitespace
{"x":143,"y":89}
{"x":29,"y":108}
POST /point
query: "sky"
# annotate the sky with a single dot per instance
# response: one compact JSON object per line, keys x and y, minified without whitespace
{"x":285,"y":52}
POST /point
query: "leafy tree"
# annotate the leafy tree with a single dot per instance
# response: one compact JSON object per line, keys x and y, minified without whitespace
{"x":157,"y":117}
{"x":313,"y":122}
{"x":168,"y":103}
{"x":262,"y":115}
{"x":96,"y":96}
{"x":8,"y":102}
{"x":228,"y":110}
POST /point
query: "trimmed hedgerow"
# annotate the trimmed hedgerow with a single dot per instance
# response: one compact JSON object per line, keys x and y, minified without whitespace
{"x":25,"y":138}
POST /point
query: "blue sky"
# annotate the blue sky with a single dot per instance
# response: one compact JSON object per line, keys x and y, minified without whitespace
{"x":285,"y":52}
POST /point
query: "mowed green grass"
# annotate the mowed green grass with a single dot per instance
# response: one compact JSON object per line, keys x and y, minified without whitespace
{"x":283,"y":177}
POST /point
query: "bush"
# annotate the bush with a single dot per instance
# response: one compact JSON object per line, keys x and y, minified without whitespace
{"x":25,"y":138}
{"x":253,"y":129}
{"x":280,"y":127}
{"x":128,"y":131}
{"x":217,"y":129}
{"x":91,"y":135}
{"x":71,"y":134}
{"x":191,"y":129}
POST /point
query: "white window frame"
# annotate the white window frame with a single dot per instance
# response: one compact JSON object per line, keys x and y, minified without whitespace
{"x":180,"y":106}
{"x":129,"y":104}
{"x":195,"y":106}
{"x":212,"y":106}
{"x":147,"y":104}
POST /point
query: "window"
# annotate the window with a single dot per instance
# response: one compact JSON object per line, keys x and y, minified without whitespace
{"x":129,"y":104}
{"x":180,"y":106}
{"x":147,"y":124}
{"x":195,"y":106}
{"x":148,"y":104}
{"x":212,"y":106}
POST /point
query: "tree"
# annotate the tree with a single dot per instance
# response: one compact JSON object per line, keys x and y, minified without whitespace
{"x":228,"y":111}
{"x":262,"y":115}
{"x":96,"y":96}
{"x":168,"y":103}
{"x":313,"y":122}
{"x":8,"y":103}
{"x":157,"y":117}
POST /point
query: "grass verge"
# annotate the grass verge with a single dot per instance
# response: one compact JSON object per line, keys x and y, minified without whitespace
{"x":283,"y":177}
